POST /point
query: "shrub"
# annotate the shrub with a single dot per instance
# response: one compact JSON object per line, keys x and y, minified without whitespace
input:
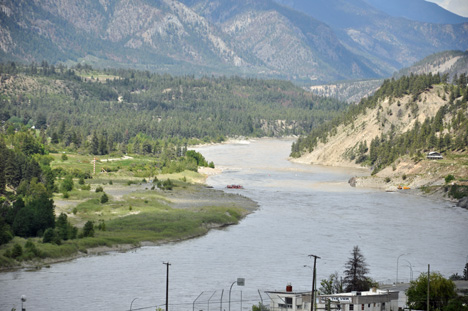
{"x":67,"y":183}
{"x":449,"y":178}
{"x":387,"y":179}
{"x":81,"y":181}
{"x":104,"y":198}
{"x":64,"y":157}
{"x":99,"y":189}
{"x":17,"y":251}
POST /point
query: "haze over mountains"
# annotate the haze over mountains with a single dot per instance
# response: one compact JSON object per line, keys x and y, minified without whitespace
{"x":301,"y":40}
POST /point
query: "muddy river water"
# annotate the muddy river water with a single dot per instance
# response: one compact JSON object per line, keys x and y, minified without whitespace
{"x":303,"y":210}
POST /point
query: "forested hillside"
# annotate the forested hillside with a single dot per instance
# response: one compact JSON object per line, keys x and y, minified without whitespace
{"x":405,"y":118}
{"x":137,"y":111}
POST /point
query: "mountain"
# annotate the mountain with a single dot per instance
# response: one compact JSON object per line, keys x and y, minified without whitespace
{"x":307,"y":41}
{"x":390,"y":42}
{"x":452,"y":63}
{"x":418,"y":10}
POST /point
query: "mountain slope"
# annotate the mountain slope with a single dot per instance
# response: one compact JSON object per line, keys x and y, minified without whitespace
{"x":392,"y":131}
{"x":391,"y":42}
{"x":310,"y":42}
{"x":451,"y":63}
{"x":418,"y":10}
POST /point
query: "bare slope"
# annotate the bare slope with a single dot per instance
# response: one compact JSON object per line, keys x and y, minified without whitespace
{"x":399,"y":115}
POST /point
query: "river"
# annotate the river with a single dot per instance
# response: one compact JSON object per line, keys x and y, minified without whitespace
{"x":303,"y":210}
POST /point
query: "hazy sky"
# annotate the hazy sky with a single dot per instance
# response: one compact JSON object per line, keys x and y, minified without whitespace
{"x":459,"y":7}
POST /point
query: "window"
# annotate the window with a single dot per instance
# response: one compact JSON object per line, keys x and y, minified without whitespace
{"x":351,"y":307}
{"x":362,"y":307}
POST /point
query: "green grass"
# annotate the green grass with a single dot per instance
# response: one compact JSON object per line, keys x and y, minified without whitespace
{"x":133,"y":214}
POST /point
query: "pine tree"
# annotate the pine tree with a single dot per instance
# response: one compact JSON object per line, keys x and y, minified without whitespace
{"x":355,"y":273}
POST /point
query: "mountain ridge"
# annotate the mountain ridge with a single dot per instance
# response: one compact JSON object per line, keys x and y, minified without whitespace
{"x":220,"y":37}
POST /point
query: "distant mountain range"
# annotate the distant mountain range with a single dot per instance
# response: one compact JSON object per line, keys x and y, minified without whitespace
{"x":307,"y":41}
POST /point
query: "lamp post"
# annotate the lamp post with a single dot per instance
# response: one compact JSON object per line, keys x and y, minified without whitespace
{"x":411,"y":269}
{"x":313,"y":283}
{"x":23,"y":299}
{"x":240,"y":282}
{"x":396,"y":281}
{"x":132,"y":303}
{"x":167,"y":284}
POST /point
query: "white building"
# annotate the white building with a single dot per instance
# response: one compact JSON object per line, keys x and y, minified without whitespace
{"x":373,"y":300}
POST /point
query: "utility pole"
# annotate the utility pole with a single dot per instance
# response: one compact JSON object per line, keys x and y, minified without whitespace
{"x":312,"y":302}
{"x":167,"y":284}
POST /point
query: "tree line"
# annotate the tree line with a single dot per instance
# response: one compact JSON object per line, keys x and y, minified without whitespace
{"x":80,"y":107}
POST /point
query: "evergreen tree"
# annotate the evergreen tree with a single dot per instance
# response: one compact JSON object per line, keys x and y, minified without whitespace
{"x":355,"y":274}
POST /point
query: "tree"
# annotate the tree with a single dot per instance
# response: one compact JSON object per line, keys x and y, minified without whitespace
{"x":355,"y":272}
{"x":332,"y":285}
{"x":441,"y":292}
{"x":88,"y":229}
{"x":104,"y":198}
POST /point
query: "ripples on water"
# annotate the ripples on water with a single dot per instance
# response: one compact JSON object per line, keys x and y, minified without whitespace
{"x":303,"y":210}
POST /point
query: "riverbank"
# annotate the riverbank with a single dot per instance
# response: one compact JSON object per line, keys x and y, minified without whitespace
{"x":421,"y":177}
{"x":137,"y":213}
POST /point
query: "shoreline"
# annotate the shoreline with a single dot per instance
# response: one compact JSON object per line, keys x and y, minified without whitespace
{"x":182,"y":198}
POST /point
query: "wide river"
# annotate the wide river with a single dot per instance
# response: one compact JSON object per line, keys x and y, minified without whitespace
{"x":303,"y":210}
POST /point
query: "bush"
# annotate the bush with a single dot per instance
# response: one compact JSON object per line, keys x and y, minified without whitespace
{"x":64,"y":157}
{"x":449,"y":178}
{"x":99,"y":189}
{"x":81,"y":181}
{"x":17,"y":251}
{"x":387,"y":179}
{"x":104,"y":198}
{"x":67,"y":183}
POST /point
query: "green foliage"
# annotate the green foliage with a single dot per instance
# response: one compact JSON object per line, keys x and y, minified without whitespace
{"x":17,"y":251}
{"x":259,"y":307}
{"x":67,"y":183}
{"x":156,"y":108}
{"x":441,"y":292}
{"x":332,"y":285}
{"x":88,"y":229}
{"x":99,"y":189}
{"x":458,"y":191}
{"x":449,"y":178}
{"x":355,"y":274}
{"x":104,"y":198}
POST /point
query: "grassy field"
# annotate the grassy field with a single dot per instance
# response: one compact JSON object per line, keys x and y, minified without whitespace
{"x":137,"y":211}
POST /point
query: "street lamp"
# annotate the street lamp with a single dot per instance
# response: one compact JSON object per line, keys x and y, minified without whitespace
{"x":23,"y":299}
{"x":132,"y":303}
{"x":396,"y":282}
{"x":240,"y":282}
{"x":411,"y":269}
